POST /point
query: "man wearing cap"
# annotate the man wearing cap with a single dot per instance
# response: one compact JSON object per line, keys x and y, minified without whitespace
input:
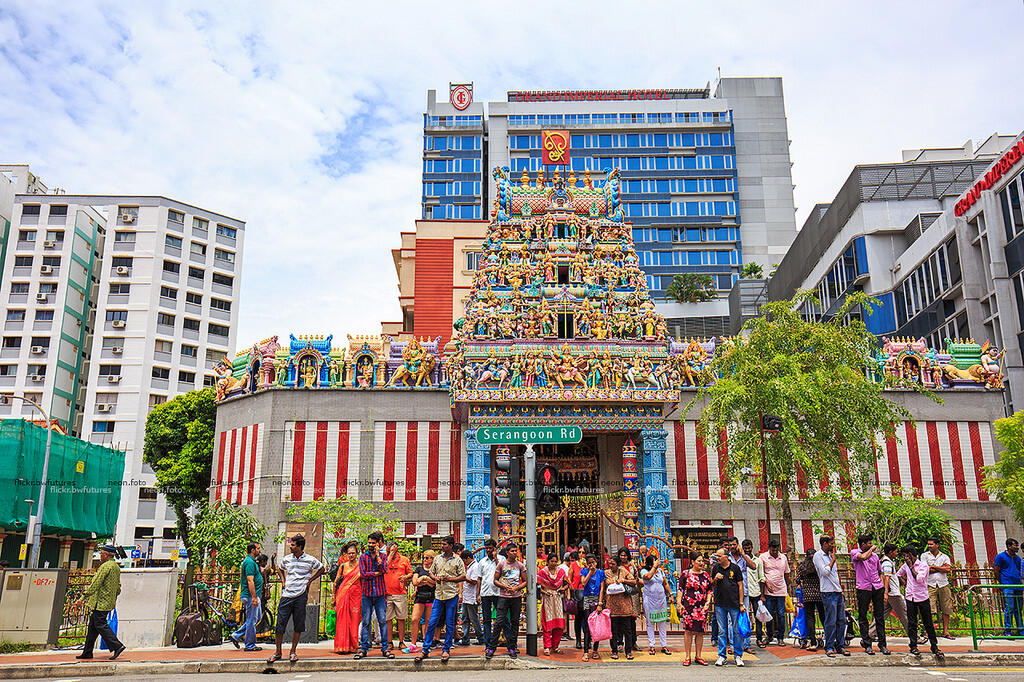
{"x":101,"y":597}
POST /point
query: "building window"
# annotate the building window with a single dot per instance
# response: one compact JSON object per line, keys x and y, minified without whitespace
{"x":19,"y":287}
{"x":162,"y":346}
{"x":198,"y":249}
{"x":473,"y":259}
{"x":161,"y":373}
{"x":47,"y":287}
{"x":120,"y":288}
{"x":37,"y":370}
{"x":155,"y":399}
{"x":165,"y":319}
{"x":186,"y":377}
{"x":42,"y":341}
{"x":218,"y":278}
{"x":226,"y":256}
{"x":55,"y":235}
{"x":196,"y":273}
{"x":209,"y":380}
{"x":113,"y":315}
{"x":200,"y":224}
{"x":22,"y":261}
{"x":171,"y":240}
{"x":193,"y":298}
{"x":12,"y":342}
{"x":176,"y":217}
{"x":169,"y":292}
{"x":103,"y":427}
{"x":189,"y":351}
{"x":124,"y":237}
{"x":171,"y":266}
{"x":8,"y":370}
{"x":143,"y":533}
{"x":170,"y":533}
{"x":218,"y":330}
{"x":110,"y":370}
{"x":147,"y":493}
{"x":225,"y":231}
{"x":30,"y":209}
{"x":26,"y":235}
{"x":52,"y":261}
{"x":191,"y":324}
{"x":220,"y":304}
{"x":44,"y":315}
{"x":15,"y":315}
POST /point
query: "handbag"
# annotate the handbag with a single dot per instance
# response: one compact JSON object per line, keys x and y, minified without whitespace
{"x":569,"y":606}
{"x":616,"y":588}
{"x":590,"y":601}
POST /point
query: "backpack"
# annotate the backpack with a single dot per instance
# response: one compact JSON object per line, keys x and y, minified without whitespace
{"x":189,"y":630}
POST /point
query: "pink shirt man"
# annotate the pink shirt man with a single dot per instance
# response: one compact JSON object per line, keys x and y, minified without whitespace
{"x":868,"y":571}
{"x":775,"y":570}
{"x":917,"y":580}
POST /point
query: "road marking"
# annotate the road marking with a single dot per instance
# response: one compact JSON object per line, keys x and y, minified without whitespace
{"x":937,"y":673}
{"x":958,"y":679}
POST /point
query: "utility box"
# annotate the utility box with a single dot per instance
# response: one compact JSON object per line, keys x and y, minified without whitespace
{"x":32,"y":604}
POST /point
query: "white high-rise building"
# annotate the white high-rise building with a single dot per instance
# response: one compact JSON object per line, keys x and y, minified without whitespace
{"x":115,"y":304}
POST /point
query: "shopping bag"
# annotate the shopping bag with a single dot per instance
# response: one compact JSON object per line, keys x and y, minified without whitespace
{"x":743,"y":625}
{"x":790,"y":606}
{"x":332,"y":622}
{"x":762,"y":613}
{"x":673,"y":616}
{"x":799,"y":627}
{"x":112,"y":622}
{"x":600,"y":623}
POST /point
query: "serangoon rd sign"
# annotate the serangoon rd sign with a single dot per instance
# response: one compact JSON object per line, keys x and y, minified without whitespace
{"x":515,"y":435}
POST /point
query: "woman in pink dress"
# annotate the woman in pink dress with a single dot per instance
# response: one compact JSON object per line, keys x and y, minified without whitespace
{"x":348,"y":596}
{"x":554,"y":581}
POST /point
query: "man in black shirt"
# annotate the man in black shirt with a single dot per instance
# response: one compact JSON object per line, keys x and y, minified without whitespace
{"x":730,"y":601}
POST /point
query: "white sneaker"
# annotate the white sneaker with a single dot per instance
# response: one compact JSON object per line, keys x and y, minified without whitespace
{"x":720,"y":662}
{"x":739,"y":662}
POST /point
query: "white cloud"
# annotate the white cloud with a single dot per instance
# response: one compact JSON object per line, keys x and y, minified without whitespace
{"x":304,"y":119}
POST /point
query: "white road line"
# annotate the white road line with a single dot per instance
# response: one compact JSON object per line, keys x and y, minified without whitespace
{"x":937,"y":673}
{"x":958,"y":679}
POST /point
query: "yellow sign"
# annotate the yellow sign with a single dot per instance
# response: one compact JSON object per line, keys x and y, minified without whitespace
{"x":22,"y":552}
{"x":80,"y":467}
{"x":174,"y":554}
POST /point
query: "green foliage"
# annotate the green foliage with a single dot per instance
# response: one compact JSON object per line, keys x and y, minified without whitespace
{"x":904,"y":521}
{"x":813,"y":375}
{"x":18,"y":647}
{"x":1005,"y":478}
{"x":346,"y":518}
{"x":179,"y":447}
{"x":691,"y":288}
{"x":752,"y":271}
{"x":226,"y":528}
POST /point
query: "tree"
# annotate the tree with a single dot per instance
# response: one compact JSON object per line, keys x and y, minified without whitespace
{"x":1005,"y":478}
{"x":813,"y":376}
{"x":904,"y":521}
{"x":179,"y":447}
{"x":228,"y":529}
{"x":346,"y":519}
{"x":691,"y":288}
{"x":752,"y":271}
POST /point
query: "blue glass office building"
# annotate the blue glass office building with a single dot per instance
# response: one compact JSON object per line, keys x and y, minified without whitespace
{"x":706,"y":178}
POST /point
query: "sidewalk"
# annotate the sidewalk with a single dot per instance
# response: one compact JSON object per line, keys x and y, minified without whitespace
{"x":320,"y":658}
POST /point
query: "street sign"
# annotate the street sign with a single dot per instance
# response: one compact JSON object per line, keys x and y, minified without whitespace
{"x":22,"y":551}
{"x":182,"y":553}
{"x":513,"y":435}
{"x":136,"y":553}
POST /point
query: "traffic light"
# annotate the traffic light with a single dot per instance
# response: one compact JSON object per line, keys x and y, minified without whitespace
{"x":769,"y":422}
{"x":548,"y":497}
{"x":507,"y":482}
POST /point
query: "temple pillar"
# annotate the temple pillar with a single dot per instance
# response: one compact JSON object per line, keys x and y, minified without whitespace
{"x":478,"y":490}
{"x":630,"y":495}
{"x":64,"y":557}
{"x":656,"y":496}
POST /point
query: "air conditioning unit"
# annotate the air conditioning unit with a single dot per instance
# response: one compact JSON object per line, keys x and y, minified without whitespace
{"x":123,"y":270}
{"x":127,"y":218}
{"x":46,"y":269}
{"x":103,"y":407}
{"x":49,"y":245}
{"x":42,"y":298}
{"x":38,"y":378}
{"x":113,"y":378}
{"x":38,"y":349}
{"x":117,"y":350}
{"x":118,"y":324}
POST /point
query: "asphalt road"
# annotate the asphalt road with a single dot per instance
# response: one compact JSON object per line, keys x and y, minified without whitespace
{"x":639,"y":672}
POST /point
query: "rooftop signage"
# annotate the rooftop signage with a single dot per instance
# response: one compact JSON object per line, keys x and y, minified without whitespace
{"x":1010,"y":159}
{"x":596,"y":95}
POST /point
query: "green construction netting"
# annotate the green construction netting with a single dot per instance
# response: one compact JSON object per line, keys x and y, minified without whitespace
{"x":77,"y":502}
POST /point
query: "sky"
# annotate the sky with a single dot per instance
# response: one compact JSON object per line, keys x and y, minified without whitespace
{"x":304,"y":119}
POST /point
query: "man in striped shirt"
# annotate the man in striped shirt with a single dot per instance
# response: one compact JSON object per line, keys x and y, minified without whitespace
{"x":373,"y":564}
{"x":298,"y":571}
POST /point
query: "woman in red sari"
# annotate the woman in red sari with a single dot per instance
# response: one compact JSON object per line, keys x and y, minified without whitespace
{"x":348,"y":596}
{"x":553,"y":581}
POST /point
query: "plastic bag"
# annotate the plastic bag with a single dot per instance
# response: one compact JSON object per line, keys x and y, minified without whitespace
{"x":799,"y":628}
{"x":790,"y":606}
{"x":673,"y":616}
{"x":331,"y":623}
{"x":600,"y":623}
{"x":743,"y":625}
{"x":763,"y":614}
{"x":112,"y":622}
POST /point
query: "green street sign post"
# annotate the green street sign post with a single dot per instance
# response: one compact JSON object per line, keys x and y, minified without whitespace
{"x":516,"y":435}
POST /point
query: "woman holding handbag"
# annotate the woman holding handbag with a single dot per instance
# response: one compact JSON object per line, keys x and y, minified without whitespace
{"x":620,"y":604}
{"x":693,"y":605}
{"x":592,"y":582}
{"x":554,"y":583}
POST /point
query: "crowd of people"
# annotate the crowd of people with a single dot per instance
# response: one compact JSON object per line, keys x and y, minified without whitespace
{"x":738,"y":598}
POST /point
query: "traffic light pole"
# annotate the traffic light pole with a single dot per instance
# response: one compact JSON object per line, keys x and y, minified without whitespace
{"x":530,"y":478}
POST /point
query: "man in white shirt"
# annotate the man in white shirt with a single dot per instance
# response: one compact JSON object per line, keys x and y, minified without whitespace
{"x":489,"y":593}
{"x":470,"y":599}
{"x":832,"y":598}
{"x":939,"y":592}
{"x":894,"y":602}
{"x":298,"y":570}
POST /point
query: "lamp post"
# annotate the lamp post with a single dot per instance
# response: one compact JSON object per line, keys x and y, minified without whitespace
{"x":37,"y":530}
{"x":770,"y":424}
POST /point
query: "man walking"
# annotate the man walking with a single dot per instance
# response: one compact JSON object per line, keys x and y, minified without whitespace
{"x":894,"y":601}
{"x":730,"y":602}
{"x":297,"y":571}
{"x":373,"y":564}
{"x":471,"y":599}
{"x":744,"y":563}
{"x":251,"y":589}
{"x":1007,"y":565}
{"x":396,"y":579}
{"x":101,"y":597}
{"x":939,"y":593}
{"x":448,"y":570}
{"x":776,"y":578}
{"x":870,"y":590}
{"x":487,"y":567}
{"x":754,"y":584}
{"x":832,"y":598}
{"x":510,"y":578}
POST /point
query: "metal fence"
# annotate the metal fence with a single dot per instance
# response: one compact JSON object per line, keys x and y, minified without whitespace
{"x":995,"y":611}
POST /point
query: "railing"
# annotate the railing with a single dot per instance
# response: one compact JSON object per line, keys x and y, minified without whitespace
{"x":995,"y":612}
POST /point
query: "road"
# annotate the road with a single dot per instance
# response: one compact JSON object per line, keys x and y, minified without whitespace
{"x":751,"y":673}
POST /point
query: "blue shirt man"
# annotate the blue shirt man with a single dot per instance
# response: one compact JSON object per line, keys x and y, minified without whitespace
{"x":1008,"y":569}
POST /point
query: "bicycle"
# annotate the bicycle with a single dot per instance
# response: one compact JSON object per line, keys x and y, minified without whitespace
{"x":206,"y":602}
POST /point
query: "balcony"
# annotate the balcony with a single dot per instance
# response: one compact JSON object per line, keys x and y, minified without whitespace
{"x":14,"y":325}
{"x":196,"y":282}
{"x":193,"y":309}
{"x":18,"y":298}
{"x":227,"y":241}
{"x":26,"y":245}
{"x":219,"y":314}
{"x":124,"y":247}
{"x":162,"y":357}
{"x":188,"y":361}
{"x":159,"y":383}
{"x":172,"y":251}
{"x":222,"y":289}
{"x":10,"y":352}
{"x":190,"y":334}
{"x":169,"y":276}
{"x":42,"y":325}
{"x":200,"y":233}
{"x":165,"y":329}
{"x":224,"y":265}
{"x":197,"y":258}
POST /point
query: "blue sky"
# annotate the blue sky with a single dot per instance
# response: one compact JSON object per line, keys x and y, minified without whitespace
{"x":304,"y":119}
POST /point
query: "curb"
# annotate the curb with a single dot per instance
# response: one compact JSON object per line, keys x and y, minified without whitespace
{"x":100,"y":668}
{"x":906,"y":660}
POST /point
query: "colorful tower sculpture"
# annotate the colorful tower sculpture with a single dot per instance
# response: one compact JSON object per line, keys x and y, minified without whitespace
{"x":630,"y":493}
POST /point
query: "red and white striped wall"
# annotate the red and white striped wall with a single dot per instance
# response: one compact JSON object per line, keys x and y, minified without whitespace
{"x":436,"y":529}
{"x":320,"y":460}
{"x":934,"y":459}
{"x":417,"y":461}
{"x":238,"y":464}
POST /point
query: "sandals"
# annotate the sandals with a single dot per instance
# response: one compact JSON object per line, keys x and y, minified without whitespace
{"x":275,"y":657}
{"x":361,"y":654}
{"x":420,"y":656}
{"x":556,"y":651}
{"x":547,"y":652}
{"x":651,"y":652}
{"x":629,"y":657}
{"x":615,"y":657}
{"x":445,"y":656}
{"x":686,"y":662}
{"x":292,"y":658}
{"x":700,"y":661}
{"x":666,"y":651}
{"x":586,"y":657}
{"x":389,"y":654}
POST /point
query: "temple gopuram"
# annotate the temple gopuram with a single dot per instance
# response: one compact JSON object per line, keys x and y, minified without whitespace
{"x":559,"y":329}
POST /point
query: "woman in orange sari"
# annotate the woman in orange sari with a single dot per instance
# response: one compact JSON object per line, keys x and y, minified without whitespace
{"x":348,"y":596}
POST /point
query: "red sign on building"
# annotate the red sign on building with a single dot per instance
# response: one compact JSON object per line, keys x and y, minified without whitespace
{"x":460,"y":95}
{"x":554,"y":146}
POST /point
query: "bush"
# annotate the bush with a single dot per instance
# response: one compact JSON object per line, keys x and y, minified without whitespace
{"x":905,"y":521}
